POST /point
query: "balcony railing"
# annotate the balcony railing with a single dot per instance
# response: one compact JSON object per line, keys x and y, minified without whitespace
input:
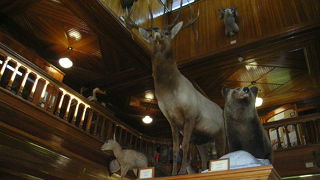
{"x":31,"y":83}
{"x":294,"y":132}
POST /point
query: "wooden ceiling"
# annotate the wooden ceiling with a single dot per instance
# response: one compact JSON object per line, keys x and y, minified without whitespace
{"x":278,"y":50}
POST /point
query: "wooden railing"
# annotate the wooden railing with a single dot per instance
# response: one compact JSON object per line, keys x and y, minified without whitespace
{"x":31,"y":83}
{"x":293,"y":132}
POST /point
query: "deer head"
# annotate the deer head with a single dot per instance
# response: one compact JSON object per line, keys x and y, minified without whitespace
{"x":160,"y":38}
{"x":109,"y":145}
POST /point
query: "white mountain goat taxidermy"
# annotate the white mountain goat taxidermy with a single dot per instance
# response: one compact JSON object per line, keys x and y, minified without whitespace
{"x":128,"y":159}
{"x":229,"y":17}
{"x":187,"y":110}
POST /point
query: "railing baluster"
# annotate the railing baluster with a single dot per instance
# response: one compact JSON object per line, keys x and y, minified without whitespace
{"x":85,"y":110}
{"x":4,"y":67}
{"x":124,"y":141}
{"x":136,"y":143}
{"x":42,"y":99}
{"x":278,"y":138}
{"x":73,"y":120}
{"x":120,"y":136}
{"x":103,"y":127}
{"x":297,"y":135}
{"x":23,"y":83}
{"x":34,"y":87}
{"x":131,"y":140}
{"x":287,"y":135}
{"x":13,"y":76}
{"x":66,"y":114}
{"x":96,"y":124}
{"x":89,"y":121}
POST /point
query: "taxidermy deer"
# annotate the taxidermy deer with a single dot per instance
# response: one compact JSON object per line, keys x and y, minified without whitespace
{"x":229,"y":16}
{"x":186,"y":109}
{"x":128,"y":159}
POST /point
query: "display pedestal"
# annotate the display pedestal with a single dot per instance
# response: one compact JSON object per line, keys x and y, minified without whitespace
{"x":261,"y":173}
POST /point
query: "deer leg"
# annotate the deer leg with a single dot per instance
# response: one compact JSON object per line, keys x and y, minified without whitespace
{"x":175,"y":149}
{"x":187,"y":131}
{"x":124,"y":171}
{"x":203,"y":152}
{"x":220,"y":140}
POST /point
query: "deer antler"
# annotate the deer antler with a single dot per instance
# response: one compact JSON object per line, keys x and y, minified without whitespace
{"x":130,"y":24}
{"x":193,"y":18}
{"x":150,"y":12}
{"x":176,"y":18}
{"x":190,"y":22}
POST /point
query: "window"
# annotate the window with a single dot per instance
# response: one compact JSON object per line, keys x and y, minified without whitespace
{"x":176,"y":3}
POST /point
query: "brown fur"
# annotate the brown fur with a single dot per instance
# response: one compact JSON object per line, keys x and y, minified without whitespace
{"x":244,"y":130}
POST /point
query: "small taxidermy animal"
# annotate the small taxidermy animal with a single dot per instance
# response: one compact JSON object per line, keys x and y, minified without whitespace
{"x":229,"y":16}
{"x":128,"y":159}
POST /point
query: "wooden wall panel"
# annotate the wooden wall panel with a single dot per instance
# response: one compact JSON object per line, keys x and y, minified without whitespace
{"x":258,"y":19}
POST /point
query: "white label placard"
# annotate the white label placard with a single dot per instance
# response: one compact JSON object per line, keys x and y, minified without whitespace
{"x":146,"y":173}
{"x":219,"y":165}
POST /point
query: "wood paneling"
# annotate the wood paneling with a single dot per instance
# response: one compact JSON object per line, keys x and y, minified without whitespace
{"x":263,"y":172}
{"x":257,"y":20}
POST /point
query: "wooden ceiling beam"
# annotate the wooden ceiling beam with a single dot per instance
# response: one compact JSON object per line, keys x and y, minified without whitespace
{"x":312,"y":58}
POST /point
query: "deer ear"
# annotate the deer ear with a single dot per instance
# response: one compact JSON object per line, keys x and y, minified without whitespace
{"x":176,"y":29}
{"x":145,"y":34}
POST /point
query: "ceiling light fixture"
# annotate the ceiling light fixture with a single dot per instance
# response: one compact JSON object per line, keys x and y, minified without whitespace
{"x":259,"y":101}
{"x":74,"y":34}
{"x":65,"y":62}
{"x":147,"y":120}
{"x":149,"y":95}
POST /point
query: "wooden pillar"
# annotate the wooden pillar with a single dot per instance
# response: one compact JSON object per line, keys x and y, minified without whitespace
{"x":73,"y":120}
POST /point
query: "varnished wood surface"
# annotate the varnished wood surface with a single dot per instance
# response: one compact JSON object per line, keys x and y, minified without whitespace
{"x":292,"y":162}
{"x":282,"y":37}
{"x":263,"y":173}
